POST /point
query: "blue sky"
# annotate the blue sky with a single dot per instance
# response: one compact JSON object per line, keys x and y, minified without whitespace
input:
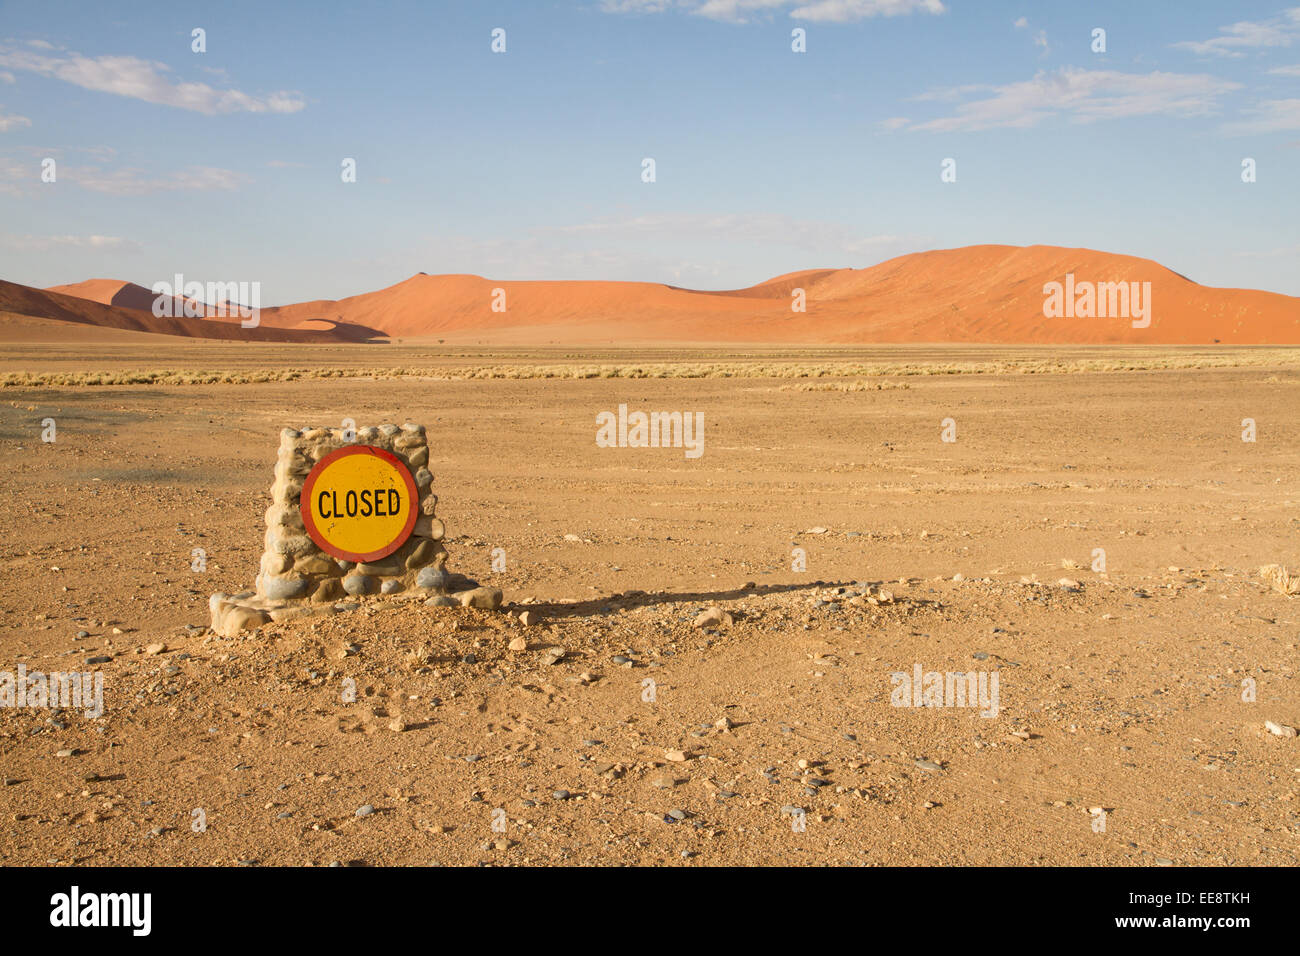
{"x":225,"y":165}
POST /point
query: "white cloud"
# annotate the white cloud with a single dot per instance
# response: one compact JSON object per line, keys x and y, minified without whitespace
{"x":601,"y":255}
{"x":1286,"y":70}
{"x":1270,"y":253}
{"x":1083,"y":95}
{"x":1246,"y":35}
{"x":144,"y":80}
{"x":46,"y":243}
{"x":6,"y":77}
{"x":734,"y":11}
{"x":98,"y":153}
{"x":845,"y":11}
{"x":1268,"y":116}
{"x":764,"y":228}
{"x":1040,"y":38}
{"x":535,"y":257}
{"x":635,"y":6}
{"x":742,"y":11}
{"x":13,"y":121}
{"x":134,"y":182}
{"x":14,"y":177}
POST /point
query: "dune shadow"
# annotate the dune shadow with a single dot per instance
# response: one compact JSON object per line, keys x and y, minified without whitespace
{"x":132,"y":296}
{"x":338,"y":330}
{"x":140,"y":299}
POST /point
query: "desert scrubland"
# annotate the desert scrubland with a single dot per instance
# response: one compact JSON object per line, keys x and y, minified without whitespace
{"x":1122,"y":703}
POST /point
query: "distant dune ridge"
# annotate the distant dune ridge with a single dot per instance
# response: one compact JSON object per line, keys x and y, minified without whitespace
{"x":28,"y":314}
{"x":974,"y":294}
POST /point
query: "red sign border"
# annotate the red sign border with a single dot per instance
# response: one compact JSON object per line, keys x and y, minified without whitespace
{"x":309,"y":522}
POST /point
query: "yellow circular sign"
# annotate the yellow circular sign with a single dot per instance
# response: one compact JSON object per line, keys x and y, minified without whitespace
{"x":358,"y":503}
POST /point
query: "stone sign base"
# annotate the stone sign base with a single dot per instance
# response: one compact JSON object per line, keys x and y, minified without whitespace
{"x":297,"y":578}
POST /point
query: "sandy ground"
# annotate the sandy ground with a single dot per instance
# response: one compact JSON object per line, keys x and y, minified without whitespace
{"x":1123,"y":693}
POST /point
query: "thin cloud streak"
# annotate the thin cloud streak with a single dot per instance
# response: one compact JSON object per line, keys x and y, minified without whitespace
{"x":145,"y":80}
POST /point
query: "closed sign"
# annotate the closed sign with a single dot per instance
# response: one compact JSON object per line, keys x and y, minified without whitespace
{"x":359,"y":503}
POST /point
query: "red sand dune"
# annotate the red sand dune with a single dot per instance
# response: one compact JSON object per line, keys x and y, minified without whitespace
{"x":128,"y":295}
{"x":45,"y":304}
{"x":989,"y":293}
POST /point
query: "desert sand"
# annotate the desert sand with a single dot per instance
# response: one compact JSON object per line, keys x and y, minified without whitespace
{"x":768,"y":739}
